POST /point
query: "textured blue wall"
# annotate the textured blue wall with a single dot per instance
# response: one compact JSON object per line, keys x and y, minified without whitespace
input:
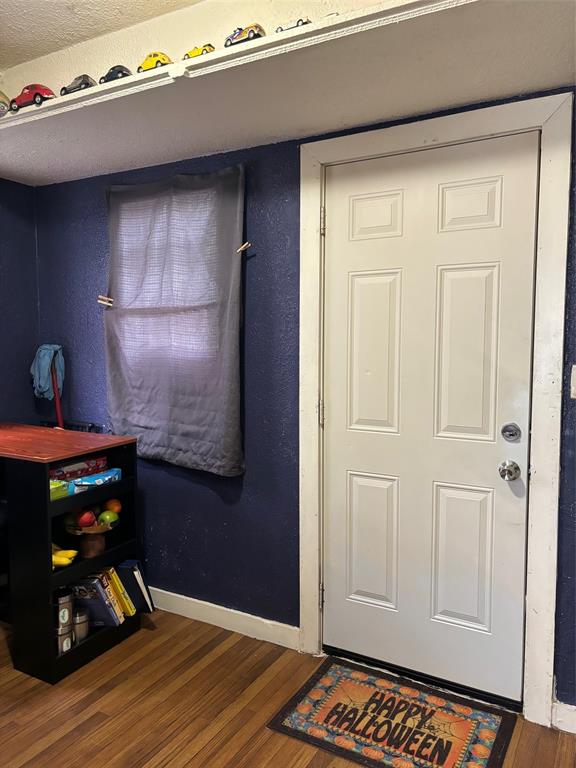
{"x":18,"y":300}
{"x":229,"y":541}
{"x":565,"y":657}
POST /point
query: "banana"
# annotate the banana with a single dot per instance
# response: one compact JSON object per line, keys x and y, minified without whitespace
{"x":62,"y":557}
{"x":68,"y":554}
{"x":61,"y":561}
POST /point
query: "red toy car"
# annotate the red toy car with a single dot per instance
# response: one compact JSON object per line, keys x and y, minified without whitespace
{"x":31,"y":94}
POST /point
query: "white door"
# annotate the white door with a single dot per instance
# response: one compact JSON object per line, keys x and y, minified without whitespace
{"x":429,"y":274}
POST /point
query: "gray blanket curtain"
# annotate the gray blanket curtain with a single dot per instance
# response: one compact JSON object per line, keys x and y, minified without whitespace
{"x":172,"y":336}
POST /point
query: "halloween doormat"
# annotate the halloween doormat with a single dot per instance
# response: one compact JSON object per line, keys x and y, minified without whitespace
{"x":377,"y":719}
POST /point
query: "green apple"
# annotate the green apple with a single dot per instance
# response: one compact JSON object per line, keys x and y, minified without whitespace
{"x":108,"y":518}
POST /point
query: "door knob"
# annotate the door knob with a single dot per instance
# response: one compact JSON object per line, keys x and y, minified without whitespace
{"x":509,"y":470}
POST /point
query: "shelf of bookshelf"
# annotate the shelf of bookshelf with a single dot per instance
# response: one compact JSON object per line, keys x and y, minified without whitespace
{"x":92,"y":496}
{"x":96,"y":643}
{"x":82,"y":568}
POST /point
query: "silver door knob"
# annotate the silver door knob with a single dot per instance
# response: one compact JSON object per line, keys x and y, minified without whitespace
{"x":509,"y":470}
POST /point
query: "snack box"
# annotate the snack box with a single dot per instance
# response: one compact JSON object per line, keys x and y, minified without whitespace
{"x":86,"y":467}
{"x":93,"y":481}
{"x":58,"y":489}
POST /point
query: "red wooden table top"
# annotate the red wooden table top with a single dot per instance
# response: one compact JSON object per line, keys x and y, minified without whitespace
{"x":45,"y":445}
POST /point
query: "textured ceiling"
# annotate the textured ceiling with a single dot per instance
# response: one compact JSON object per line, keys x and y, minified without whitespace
{"x":32,"y":28}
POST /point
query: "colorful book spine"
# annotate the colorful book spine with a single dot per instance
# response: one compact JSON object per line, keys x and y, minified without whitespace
{"x":123,"y":597}
{"x":90,"y":594}
{"x":105,"y":581}
{"x":131,"y":576}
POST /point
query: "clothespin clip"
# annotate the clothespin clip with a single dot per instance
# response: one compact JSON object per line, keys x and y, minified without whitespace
{"x":244,"y":247}
{"x":106,"y":301}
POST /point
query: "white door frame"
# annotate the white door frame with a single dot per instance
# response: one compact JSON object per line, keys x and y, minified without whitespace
{"x":552,"y":115}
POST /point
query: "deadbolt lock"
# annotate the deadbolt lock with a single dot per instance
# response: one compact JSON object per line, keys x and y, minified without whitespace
{"x":511,"y":432}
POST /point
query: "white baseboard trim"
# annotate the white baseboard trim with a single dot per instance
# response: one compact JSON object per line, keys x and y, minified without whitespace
{"x":227,"y":618}
{"x":564,"y":716}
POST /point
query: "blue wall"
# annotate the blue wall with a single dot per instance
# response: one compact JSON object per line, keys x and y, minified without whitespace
{"x":18,"y":300}
{"x":229,"y":541}
{"x":565,"y":658}
{"x":18,"y":317}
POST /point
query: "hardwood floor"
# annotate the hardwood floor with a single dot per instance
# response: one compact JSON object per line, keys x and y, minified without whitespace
{"x":181,"y":694}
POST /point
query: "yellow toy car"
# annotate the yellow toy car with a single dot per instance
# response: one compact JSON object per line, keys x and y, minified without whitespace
{"x":199,"y":51}
{"x":154,"y":60}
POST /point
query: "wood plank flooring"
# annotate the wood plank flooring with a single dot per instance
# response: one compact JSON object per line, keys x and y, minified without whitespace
{"x":181,"y":694}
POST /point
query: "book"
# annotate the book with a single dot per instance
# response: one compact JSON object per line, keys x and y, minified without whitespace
{"x":123,"y":597}
{"x":90,"y":594}
{"x":115,"y":603}
{"x":131,"y":575}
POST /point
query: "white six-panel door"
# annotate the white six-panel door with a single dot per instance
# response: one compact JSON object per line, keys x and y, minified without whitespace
{"x":429,"y":273}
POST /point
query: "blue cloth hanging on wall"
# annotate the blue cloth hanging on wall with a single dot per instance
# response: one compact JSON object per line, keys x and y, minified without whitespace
{"x":41,"y":373}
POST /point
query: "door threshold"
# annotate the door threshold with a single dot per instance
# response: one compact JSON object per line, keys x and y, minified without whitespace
{"x":462,"y":690}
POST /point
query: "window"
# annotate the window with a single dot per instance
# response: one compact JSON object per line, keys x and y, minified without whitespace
{"x":173,"y":335}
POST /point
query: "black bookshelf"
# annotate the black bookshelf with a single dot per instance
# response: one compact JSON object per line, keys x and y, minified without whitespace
{"x":35,"y":522}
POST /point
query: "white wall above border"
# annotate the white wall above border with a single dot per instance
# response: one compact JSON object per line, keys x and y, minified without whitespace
{"x":378,"y":67}
{"x":36,"y":27}
{"x":77,"y":49}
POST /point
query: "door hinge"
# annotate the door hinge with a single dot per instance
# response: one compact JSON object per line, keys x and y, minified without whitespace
{"x":321,"y":597}
{"x":321,"y":413}
{"x":322,"y":221}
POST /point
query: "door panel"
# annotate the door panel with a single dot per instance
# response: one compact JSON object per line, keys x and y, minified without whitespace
{"x":374,"y":398}
{"x":373,"y":539}
{"x":466,"y":351}
{"x":462,"y":557}
{"x":428,"y":333}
